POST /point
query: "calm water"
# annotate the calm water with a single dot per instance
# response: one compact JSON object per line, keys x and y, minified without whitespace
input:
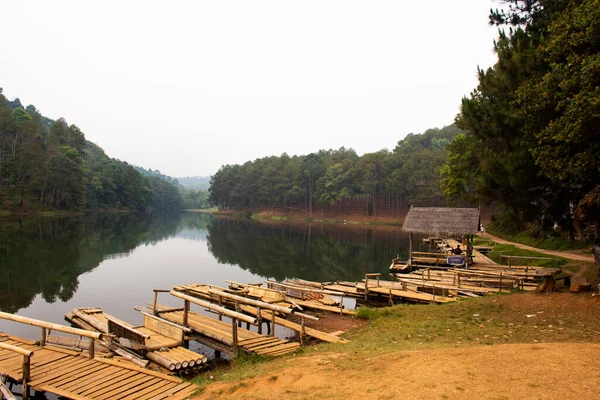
{"x":50,"y":266}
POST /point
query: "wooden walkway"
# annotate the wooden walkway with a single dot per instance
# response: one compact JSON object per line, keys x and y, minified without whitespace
{"x":72,"y":375}
{"x":215,"y":334}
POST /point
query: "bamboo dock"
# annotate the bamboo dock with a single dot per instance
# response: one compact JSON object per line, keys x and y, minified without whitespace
{"x":44,"y":367}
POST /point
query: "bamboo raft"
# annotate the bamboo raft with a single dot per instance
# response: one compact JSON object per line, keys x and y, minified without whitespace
{"x":46,"y":368}
{"x":220,"y":336}
{"x":156,"y":341}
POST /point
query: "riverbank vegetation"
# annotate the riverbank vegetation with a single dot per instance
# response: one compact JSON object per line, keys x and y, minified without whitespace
{"x":532,"y":124}
{"x":49,"y":165}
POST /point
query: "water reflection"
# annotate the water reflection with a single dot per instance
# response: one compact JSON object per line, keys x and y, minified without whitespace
{"x":303,"y":250}
{"x":46,"y":256}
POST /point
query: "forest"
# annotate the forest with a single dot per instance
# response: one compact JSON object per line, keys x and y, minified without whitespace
{"x":410,"y":174}
{"x":49,"y":165}
{"x":526,"y":139}
{"x":532,"y":140}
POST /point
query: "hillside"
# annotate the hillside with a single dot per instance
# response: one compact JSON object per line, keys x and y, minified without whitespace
{"x":49,"y":165}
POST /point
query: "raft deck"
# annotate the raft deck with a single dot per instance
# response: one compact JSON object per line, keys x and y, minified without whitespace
{"x":75,"y":376}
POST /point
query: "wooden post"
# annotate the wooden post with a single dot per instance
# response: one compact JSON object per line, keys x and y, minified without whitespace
{"x":155,"y":301}
{"x":186,"y":310}
{"x":366,"y":286}
{"x":391,"y":298}
{"x":433,"y":299}
{"x":26,"y":377}
{"x":92,"y":349}
{"x":410,"y":246}
{"x":500,"y":282}
{"x":234,"y":334}
{"x":220,"y":305}
{"x":259,"y":319}
{"x":341,"y":306}
{"x":273,"y":323}
{"x":43,"y":339}
{"x":302,"y":332}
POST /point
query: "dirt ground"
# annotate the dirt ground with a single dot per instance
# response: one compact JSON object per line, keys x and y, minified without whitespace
{"x":533,"y":371}
{"x":565,"y":370}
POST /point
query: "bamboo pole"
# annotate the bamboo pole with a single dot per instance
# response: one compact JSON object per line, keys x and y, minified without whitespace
{"x":49,"y":325}
{"x":245,"y":300}
{"x":215,"y":308}
{"x":6,"y":392}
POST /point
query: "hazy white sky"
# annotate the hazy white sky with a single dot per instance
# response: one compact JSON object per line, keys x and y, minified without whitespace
{"x":185,"y":87}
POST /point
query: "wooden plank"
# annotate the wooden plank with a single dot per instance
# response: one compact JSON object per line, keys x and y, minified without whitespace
{"x":138,"y":369}
{"x":40,"y":371}
{"x":64,"y":393}
{"x":134,"y":388}
{"x":274,"y":345}
{"x":75,"y":364}
{"x":96,"y":379}
{"x":147,"y":392}
{"x":108,"y":380}
{"x":178,"y":393}
{"x":75,"y":375}
{"x":124,"y":387}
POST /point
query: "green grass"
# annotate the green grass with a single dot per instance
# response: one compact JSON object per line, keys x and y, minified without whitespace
{"x":510,"y":250}
{"x":372,"y":313}
{"x":549,"y":242}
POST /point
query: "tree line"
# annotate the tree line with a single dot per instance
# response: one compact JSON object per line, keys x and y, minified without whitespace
{"x":49,"y":165}
{"x":532,"y":140}
{"x":410,"y":173}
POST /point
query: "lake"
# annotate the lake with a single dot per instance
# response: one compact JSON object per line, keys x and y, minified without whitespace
{"x":48,"y":266}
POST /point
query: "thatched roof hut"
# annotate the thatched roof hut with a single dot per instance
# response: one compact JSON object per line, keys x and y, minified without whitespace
{"x":442,"y":220}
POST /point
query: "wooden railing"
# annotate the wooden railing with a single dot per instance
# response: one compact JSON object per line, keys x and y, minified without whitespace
{"x":26,"y":366}
{"x":49,"y":326}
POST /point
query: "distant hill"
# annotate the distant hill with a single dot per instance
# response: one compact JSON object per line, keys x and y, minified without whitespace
{"x":195,"y":182}
{"x":156,"y":173}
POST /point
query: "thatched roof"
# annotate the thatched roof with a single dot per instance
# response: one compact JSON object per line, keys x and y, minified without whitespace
{"x":440,"y":220}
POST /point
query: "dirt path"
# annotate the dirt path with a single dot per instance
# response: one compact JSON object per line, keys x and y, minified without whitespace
{"x":482,"y":372}
{"x":571,"y":255}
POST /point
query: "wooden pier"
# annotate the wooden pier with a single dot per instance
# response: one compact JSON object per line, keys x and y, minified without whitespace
{"x":46,"y":368}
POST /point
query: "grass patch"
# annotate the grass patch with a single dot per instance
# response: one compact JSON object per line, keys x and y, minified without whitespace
{"x":372,"y":313}
{"x":547,"y":242}
{"x":509,"y":250}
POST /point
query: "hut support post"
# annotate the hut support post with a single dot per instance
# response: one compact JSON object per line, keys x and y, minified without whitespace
{"x":26,"y":377}
{"x":43,"y":339}
{"x":155,"y":301}
{"x":410,"y":237}
{"x":341,"y":307}
{"x":186,"y":311}
{"x":302,"y":332}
